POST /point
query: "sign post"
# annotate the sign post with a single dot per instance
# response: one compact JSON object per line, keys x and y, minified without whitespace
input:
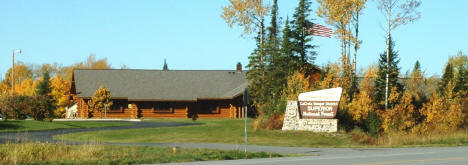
{"x":246,"y":101}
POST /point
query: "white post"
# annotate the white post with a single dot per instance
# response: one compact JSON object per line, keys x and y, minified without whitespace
{"x":245,"y":118}
{"x":105,"y":111}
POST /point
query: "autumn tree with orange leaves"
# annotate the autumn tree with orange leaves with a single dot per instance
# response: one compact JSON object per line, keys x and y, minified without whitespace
{"x":100,"y":100}
{"x":61,"y":93}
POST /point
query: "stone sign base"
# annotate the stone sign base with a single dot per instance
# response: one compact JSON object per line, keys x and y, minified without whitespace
{"x":292,"y":121}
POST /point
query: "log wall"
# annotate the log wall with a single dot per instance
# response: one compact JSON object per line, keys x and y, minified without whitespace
{"x":139,"y":109}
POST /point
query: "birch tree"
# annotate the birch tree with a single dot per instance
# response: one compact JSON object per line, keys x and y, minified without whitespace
{"x":397,"y":13}
{"x":249,"y":15}
{"x":344,"y":16}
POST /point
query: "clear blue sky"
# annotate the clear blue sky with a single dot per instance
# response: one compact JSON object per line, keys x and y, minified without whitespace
{"x":191,"y":34}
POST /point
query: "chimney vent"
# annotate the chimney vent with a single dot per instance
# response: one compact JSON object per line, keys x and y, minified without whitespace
{"x":239,"y":67}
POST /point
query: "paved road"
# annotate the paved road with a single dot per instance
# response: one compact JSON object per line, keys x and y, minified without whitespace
{"x":394,"y":156}
{"x":326,"y":156}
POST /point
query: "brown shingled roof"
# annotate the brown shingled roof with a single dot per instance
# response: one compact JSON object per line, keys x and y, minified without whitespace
{"x":176,"y":85}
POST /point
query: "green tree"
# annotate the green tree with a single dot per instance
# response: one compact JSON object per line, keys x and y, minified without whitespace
{"x":384,"y":68}
{"x":461,"y":83}
{"x":256,"y":71}
{"x":301,"y":40}
{"x":459,"y":63}
{"x":43,"y":103}
{"x":276,"y":68}
{"x":41,"y":107}
{"x":447,"y":77}
{"x":287,"y":50}
{"x":416,"y":86}
{"x":15,"y":107}
{"x":273,"y":28}
{"x":397,"y":13}
{"x":44,"y":86}
{"x":165,"y":65}
{"x":100,"y":100}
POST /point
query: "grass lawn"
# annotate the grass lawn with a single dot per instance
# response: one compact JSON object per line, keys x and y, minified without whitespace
{"x":46,"y":153}
{"x":232,"y":132}
{"x":30,"y":125}
{"x":216,"y":131}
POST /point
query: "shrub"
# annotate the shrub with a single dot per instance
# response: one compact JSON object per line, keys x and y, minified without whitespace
{"x":373,"y":123}
{"x":269,"y":122}
{"x":400,"y":118}
{"x":443,"y":113}
{"x":363,"y":138}
{"x":41,"y":107}
{"x":20,"y":107}
{"x":345,"y":120}
{"x":15,"y":107}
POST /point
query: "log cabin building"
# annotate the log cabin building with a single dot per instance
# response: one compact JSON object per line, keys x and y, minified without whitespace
{"x":162,"y":93}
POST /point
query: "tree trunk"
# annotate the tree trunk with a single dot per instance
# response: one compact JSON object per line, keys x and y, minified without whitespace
{"x":356,"y":45}
{"x":389,"y":12}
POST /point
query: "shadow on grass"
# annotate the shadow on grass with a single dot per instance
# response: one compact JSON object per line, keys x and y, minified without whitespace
{"x":9,"y":126}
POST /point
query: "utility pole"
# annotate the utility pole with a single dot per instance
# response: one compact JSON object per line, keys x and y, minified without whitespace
{"x":13,"y":70}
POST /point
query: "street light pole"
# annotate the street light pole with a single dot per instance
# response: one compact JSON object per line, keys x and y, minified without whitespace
{"x":13,"y":70}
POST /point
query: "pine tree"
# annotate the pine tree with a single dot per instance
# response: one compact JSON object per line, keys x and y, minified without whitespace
{"x":287,"y":49}
{"x":301,"y":40}
{"x":276,"y":74}
{"x":44,"y":86}
{"x":417,"y":67}
{"x":43,"y":103}
{"x":165,"y":65}
{"x":461,"y":84}
{"x":393,"y":72}
{"x":416,"y":86}
{"x":256,"y":72}
{"x":447,"y":77}
{"x":273,"y":29}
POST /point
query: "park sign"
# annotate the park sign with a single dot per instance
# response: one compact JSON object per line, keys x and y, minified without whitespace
{"x":321,"y":104}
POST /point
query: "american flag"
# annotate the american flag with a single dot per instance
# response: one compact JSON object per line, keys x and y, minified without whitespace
{"x":319,"y":30}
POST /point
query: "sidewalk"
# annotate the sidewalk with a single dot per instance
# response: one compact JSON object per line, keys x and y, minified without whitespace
{"x":132,"y":120}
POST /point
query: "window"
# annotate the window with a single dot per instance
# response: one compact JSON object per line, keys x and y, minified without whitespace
{"x":209,"y":107}
{"x":117,"y":106}
{"x":224,"y":106}
{"x":145,"y":106}
{"x":162,"y":106}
